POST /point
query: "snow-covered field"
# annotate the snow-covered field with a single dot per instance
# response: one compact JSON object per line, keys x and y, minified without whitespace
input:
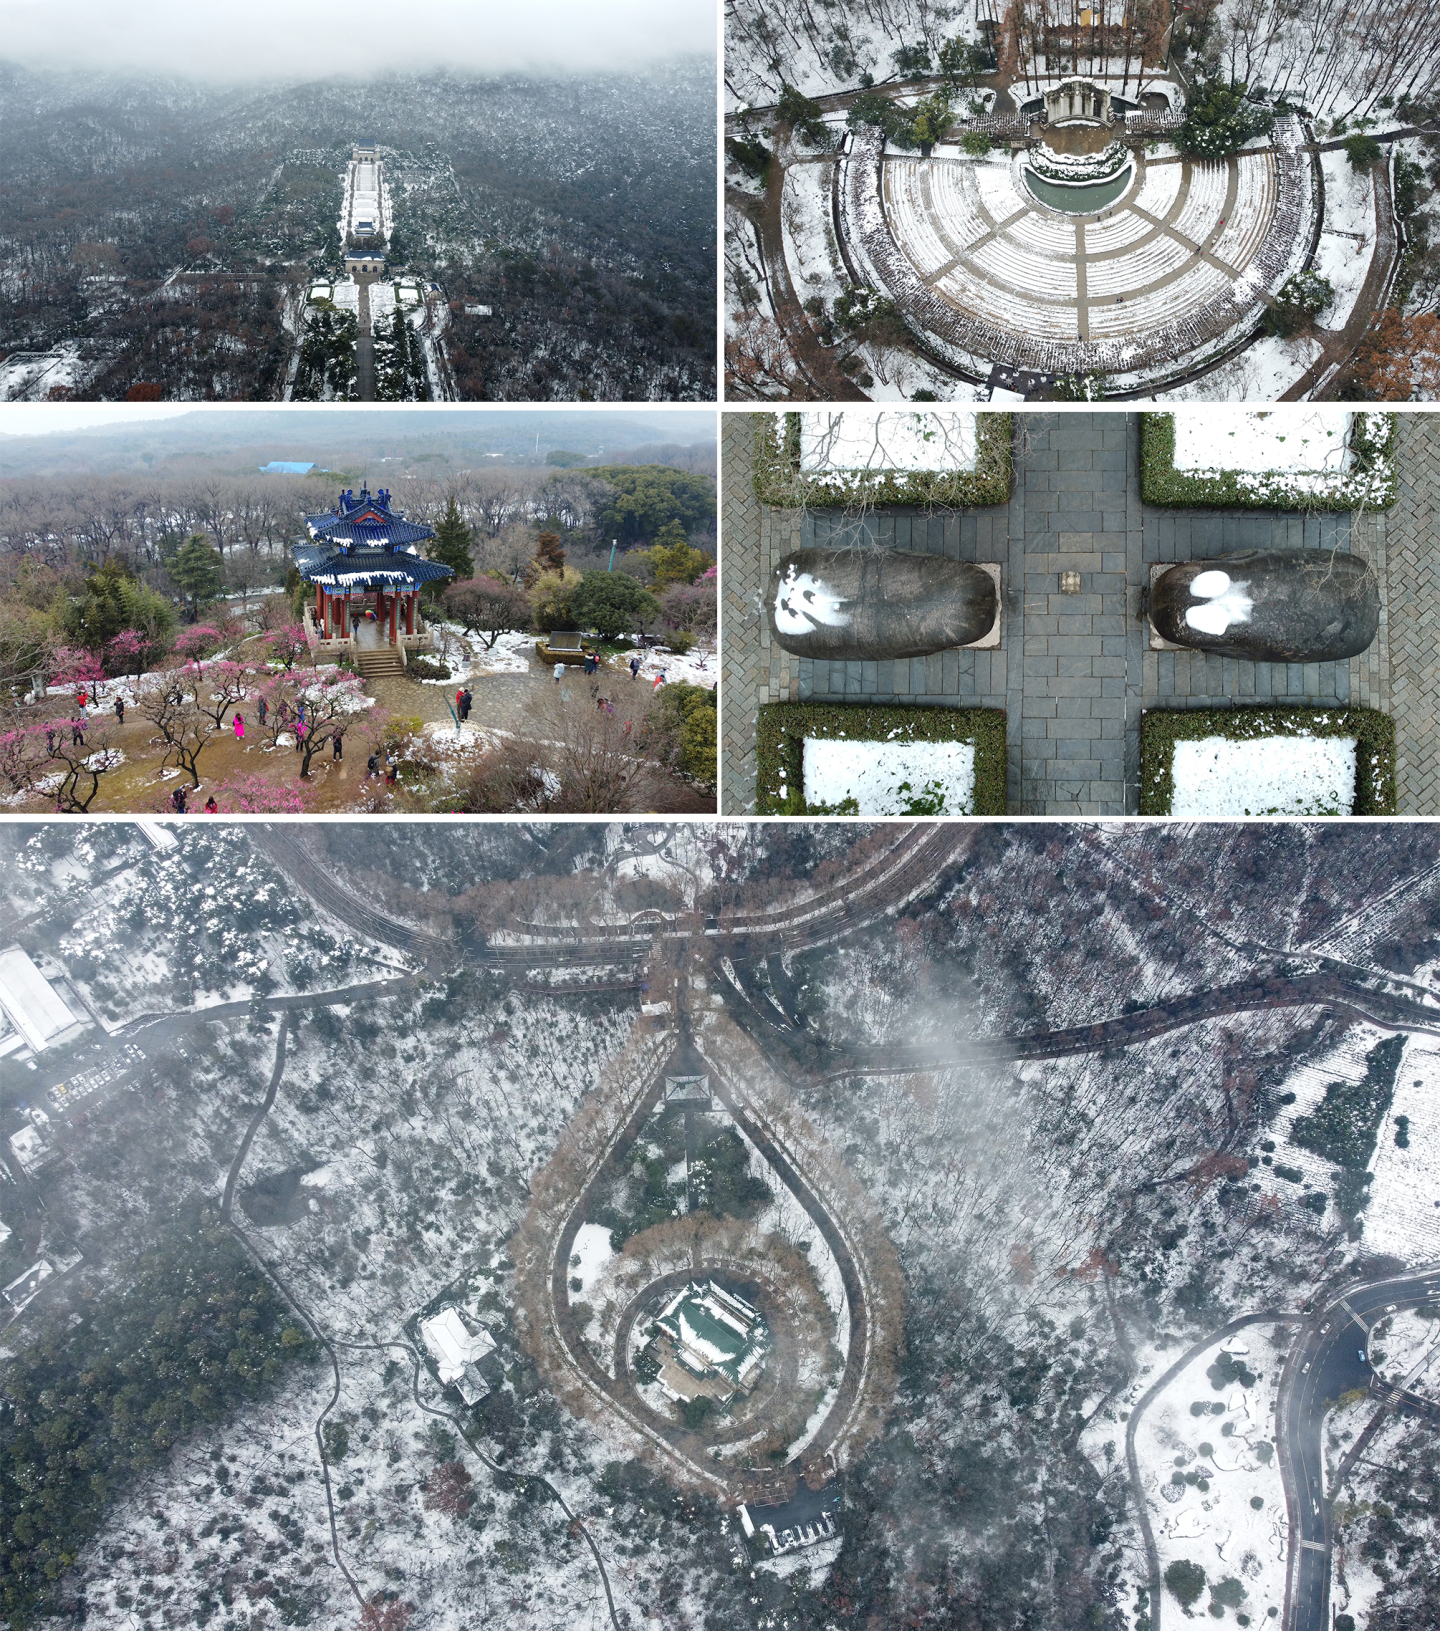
{"x":1290,"y":440}
{"x":845,"y":442}
{"x":872,"y":773}
{"x":1262,"y":372}
{"x":1347,"y":242}
{"x":1403,"y":1217}
{"x":1275,"y":775}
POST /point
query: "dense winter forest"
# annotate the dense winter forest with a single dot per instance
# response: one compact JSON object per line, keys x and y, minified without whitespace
{"x":162,"y":234}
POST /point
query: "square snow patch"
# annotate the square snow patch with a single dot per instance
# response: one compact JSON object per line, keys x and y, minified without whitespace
{"x":887,"y":441}
{"x":1274,"y":775}
{"x":1309,"y":441}
{"x":873,"y":774}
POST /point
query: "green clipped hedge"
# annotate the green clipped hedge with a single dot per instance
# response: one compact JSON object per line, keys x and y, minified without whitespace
{"x":783,"y":727}
{"x":1374,"y":733}
{"x":1372,"y":484}
{"x":780,"y":482}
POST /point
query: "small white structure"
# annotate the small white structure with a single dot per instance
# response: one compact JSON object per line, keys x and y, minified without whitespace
{"x":31,"y":1149}
{"x":455,"y":1350}
{"x":788,"y":1537}
{"x":478,"y":311}
{"x":5,"y":1232}
{"x":31,"y":1003}
{"x":26,"y":1287}
{"x":160,"y":835}
{"x":1077,"y":102}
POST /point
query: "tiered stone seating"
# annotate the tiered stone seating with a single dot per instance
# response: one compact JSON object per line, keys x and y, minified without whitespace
{"x":1159,"y":188}
{"x":913,"y":220}
{"x":1160,"y":257}
{"x":1205,"y":202}
{"x":1011,"y":295}
{"x":1251,"y":213}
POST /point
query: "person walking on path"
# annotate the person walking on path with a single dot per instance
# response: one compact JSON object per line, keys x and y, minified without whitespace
{"x":77,"y":733}
{"x":177,"y":800}
{"x":634,"y":668}
{"x":466,"y":703}
{"x":460,"y":702}
{"x":299,"y":734}
{"x":372,"y":766}
{"x":119,"y":710}
{"x":659,"y":681}
{"x":50,"y":740}
{"x":82,"y":696}
{"x":559,"y":672}
{"x":264,"y":709}
{"x":239,"y":727}
{"x":335,"y":743}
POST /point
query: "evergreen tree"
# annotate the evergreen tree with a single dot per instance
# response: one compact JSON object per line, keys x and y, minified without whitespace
{"x":196,"y":572}
{"x":451,"y":545}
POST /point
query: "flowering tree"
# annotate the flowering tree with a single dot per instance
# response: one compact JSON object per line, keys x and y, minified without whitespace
{"x":254,"y":795}
{"x":128,"y":652}
{"x":76,"y":666}
{"x":196,"y":643}
{"x":450,"y":1489}
{"x":330,"y":698}
{"x":288,"y":645}
{"x":25,"y":753}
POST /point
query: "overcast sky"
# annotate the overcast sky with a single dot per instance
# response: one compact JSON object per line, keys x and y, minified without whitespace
{"x":266,"y":39}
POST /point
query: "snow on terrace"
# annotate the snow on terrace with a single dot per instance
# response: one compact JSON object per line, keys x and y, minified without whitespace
{"x":1347,"y":238}
{"x":843,"y":443}
{"x":1403,"y":1217}
{"x":1308,"y":442}
{"x":1225,"y":1462}
{"x":875,"y":774}
{"x":1274,"y":775}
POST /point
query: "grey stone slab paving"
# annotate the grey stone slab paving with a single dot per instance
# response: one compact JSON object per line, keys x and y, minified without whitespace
{"x":1075,"y":671}
{"x":1412,"y":625}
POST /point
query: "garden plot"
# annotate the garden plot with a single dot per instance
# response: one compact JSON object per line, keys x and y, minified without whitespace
{"x":1212,"y":1478}
{"x":1403,"y":1217}
{"x":845,"y":443}
{"x":1311,"y":441}
{"x":811,"y":250}
{"x":884,"y":778}
{"x":1277,"y":775}
{"x":1347,"y":238}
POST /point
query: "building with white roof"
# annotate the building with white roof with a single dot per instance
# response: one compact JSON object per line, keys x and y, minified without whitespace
{"x":32,"y":1005}
{"x":455,"y":1349}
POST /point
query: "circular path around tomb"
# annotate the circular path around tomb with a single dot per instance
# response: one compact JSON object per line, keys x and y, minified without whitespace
{"x":1174,"y":272}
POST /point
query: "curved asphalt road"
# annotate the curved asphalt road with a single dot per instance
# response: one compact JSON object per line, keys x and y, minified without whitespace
{"x":1328,"y":1360}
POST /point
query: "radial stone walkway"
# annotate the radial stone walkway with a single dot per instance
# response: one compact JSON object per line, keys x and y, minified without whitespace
{"x":1074,"y":671}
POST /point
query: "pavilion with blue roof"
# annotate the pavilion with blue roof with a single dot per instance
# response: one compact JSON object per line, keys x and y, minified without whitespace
{"x":362,"y":558}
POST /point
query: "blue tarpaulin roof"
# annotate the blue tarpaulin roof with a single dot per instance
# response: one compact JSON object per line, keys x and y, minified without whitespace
{"x":285,"y":467}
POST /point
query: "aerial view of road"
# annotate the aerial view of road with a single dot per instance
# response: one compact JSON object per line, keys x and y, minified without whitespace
{"x":626,"y":1206}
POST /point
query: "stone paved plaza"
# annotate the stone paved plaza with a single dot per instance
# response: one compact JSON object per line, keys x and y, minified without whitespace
{"x":1075,"y":671}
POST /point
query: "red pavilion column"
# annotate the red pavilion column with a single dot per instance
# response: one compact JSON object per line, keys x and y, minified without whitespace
{"x":394,"y":617}
{"x":319,"y":604}
{"x":410,"y":600}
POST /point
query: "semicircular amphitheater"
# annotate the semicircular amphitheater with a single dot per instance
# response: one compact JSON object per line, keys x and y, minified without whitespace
{"x":1143,"y":268}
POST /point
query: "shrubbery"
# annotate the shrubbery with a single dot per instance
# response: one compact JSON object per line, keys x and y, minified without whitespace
{"x":1220,"y":119}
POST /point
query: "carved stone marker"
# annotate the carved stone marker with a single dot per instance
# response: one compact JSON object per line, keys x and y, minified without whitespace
{"x":873,"y":605}
{"x":1271,"y":606}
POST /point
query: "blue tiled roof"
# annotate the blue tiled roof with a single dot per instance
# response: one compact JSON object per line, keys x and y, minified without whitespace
{"x":363,"y":540}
